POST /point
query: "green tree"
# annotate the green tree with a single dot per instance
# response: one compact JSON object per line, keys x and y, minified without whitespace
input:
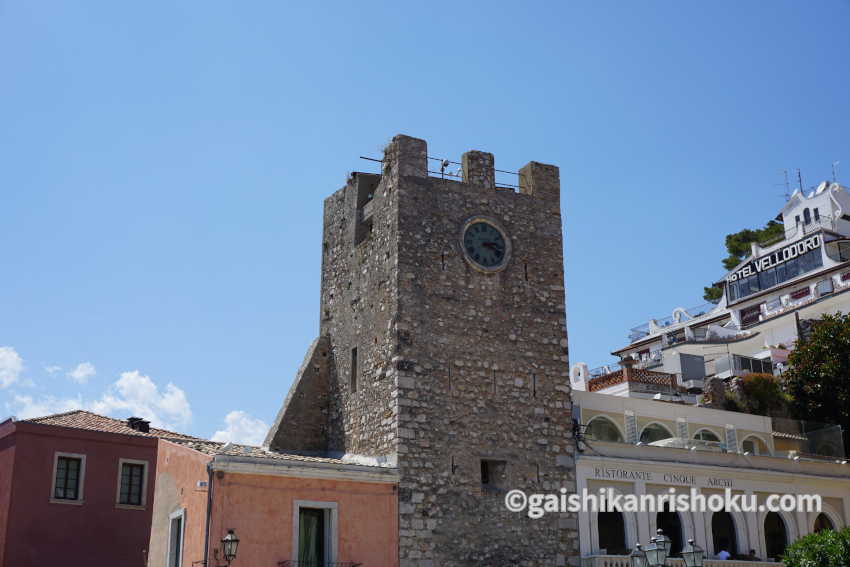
{"x":763,"y":395}
{"x":818,"y":377}
{"x":823,"y":549}
{"x":738,"y":247}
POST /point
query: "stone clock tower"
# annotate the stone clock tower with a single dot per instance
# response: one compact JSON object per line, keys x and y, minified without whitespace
{"x":443,"y":350}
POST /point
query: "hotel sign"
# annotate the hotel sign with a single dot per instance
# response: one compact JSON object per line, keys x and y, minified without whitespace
{"x":778,"y":257}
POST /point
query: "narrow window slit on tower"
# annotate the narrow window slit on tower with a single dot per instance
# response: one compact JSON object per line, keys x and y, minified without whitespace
{"x":494,"y":381}
{"x":443,"y":261}
{"x":534,"y":385}
{"x":525,"y":270}
{"x":451,"y":386}
{"x":538,"y":472}
{"x":354,"y":369}
{"x":493,"y":473}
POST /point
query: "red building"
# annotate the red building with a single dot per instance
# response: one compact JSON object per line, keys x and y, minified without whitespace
{"x":287,"y":510}
{"x":77,"y":489}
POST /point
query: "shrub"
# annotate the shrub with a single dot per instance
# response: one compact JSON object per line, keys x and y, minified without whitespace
{"x":823,"y":549}
{"x":763,"y":395}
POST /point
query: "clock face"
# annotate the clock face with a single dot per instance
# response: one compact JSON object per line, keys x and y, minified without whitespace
{"x":485,"y":245}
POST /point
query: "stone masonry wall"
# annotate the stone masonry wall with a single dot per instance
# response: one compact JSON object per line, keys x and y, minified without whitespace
{"x":358,"y":300}
{"x":483,"y":370}
{"x":454,"y":365}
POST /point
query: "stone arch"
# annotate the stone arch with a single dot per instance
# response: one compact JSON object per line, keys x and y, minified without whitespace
{"x":609,"y":420}
{"x":629,"y":522}
{"x":658,"y":424}
{"x":739,"y":521}
{"x":791,"y":532}
{"x":686,"y":521}
{"x":758,"y":437}
{"x":708,"y":430}
{"x":830,"y":512}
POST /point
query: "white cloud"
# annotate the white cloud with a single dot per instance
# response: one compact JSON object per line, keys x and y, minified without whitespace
{"x":27,"y":407}
{"x":11,"y":365}
{"x":52,"y":369}
{"x":242,"y":428}
{"x":82,"y":372}
{"x":139,"y":395}
{"x":132,"y":394}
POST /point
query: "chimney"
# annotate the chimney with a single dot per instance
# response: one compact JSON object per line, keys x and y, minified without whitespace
{"x":139,"y":424}
{"x":627,"y":362}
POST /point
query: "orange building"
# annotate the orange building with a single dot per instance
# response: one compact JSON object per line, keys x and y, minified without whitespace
{"x":286,"y":510}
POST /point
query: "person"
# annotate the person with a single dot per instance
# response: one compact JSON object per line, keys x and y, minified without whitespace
{"x":724,"y":555}
{"x":751,"y":556}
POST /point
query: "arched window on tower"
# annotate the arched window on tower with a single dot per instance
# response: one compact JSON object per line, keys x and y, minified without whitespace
{"x":807,"y":216}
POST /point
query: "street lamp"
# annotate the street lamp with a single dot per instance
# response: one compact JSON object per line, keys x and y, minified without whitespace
{"x":638,"y":557}
{"x":664,"y":541}
{"x":694,"y":556}
{"x":656,"y":553}
{"x":229,"y":545}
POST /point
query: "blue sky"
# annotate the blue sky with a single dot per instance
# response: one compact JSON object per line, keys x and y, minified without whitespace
{"x":163,"y":166}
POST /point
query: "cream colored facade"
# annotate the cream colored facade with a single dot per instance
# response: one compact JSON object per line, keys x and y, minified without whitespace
{"x":631,"y":467}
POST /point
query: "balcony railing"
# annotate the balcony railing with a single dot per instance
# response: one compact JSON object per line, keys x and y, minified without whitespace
{"x":679,"y":316}
{"x":623,"y":561}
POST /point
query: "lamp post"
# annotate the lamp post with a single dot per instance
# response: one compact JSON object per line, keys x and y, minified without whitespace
{"x":638,"y":557}
{"x":694,"y":556}
{"x":656,"y":553}
{"x":665,"y":542}
{"x":229,"y":545}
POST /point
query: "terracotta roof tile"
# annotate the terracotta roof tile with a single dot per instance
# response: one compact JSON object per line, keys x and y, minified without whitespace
{"x":81,"y":419}
{"x":236,"y":450}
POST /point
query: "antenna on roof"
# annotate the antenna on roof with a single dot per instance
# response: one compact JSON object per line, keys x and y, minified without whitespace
{"x":835,"y":171}
{"x":800,"y":179}
{"x":787,"y":194}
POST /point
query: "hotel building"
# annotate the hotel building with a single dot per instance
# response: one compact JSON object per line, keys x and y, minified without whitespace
{"x":642,"y":432}
{"x":766,"y":299}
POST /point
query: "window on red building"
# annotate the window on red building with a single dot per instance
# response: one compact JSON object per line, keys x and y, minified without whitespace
{"x":67,"y":479}
{"x":131,"y":489}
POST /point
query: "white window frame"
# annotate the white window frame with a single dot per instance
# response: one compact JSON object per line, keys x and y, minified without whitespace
{"x":118,"y":503}
{"x":80,"y":486}
{"x":331,"y":519}
{"x":181,"y":513}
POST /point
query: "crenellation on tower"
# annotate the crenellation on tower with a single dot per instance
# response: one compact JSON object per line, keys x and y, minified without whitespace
{"x":479,"y":169}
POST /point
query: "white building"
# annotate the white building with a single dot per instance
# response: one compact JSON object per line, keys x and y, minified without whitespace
{"x":640,"y":446}
{"x":643,"y":432}
{"x":755,"y":324}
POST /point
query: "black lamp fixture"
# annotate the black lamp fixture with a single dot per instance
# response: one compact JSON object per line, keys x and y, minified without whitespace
{"x":229,"y":545}
{"x":694,"y":556}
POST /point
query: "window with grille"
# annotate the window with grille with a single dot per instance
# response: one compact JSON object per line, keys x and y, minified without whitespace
{"x":66,"y":485}
{"x":132,"y":484}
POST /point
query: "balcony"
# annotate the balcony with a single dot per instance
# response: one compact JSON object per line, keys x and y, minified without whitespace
{"x":623,"y":561}
{"x":736,"y":365}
